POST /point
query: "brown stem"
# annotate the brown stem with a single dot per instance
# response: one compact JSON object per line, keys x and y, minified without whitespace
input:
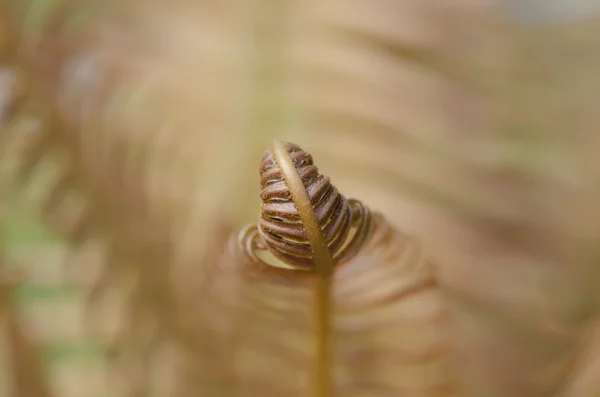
{"x":324,"y":268}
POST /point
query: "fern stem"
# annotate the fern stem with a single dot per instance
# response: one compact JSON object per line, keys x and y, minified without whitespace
{"x":324,"y":269}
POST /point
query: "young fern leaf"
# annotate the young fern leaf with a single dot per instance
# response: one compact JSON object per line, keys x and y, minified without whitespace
{"x":376,"y":324}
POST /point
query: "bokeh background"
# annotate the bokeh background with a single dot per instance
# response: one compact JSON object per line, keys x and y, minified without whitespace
{"x":472,"y":124}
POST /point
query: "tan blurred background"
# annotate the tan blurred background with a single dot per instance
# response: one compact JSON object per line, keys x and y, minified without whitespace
{"x":472,"y":124}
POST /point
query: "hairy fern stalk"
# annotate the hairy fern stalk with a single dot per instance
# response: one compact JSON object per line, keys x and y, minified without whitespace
{"x":137,"y":128}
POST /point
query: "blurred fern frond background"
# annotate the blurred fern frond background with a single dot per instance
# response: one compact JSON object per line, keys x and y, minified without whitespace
{"x":131,"y":135}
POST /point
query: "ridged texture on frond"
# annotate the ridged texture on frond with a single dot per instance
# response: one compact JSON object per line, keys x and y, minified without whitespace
{"x":254,"y":326}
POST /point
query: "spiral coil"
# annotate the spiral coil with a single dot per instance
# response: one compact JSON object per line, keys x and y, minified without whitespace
{"x":386,"y":288}
{"x":345,"y":223}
